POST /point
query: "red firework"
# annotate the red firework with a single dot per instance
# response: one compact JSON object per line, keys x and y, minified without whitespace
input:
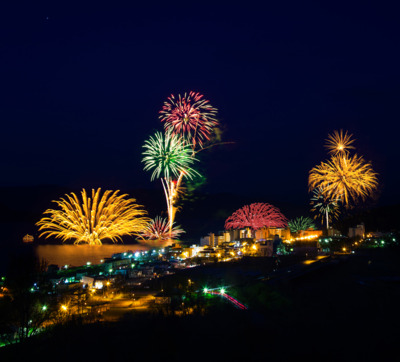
{"x":190,"y":116}
{"x":158,"y":229}
{"x":256,"y":216}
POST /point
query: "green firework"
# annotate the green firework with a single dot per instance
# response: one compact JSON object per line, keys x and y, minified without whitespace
{"x":168,"y":155}
{"x":301,"y":223}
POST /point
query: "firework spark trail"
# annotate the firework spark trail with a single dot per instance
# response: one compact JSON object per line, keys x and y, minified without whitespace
{"x":228,"y":297}
{"x":256,"y":216}
{"x":189,"y":122}
{"x":91,"y":220}
{"x":169,"y":156}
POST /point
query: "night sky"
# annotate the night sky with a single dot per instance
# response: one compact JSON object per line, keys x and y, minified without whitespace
{"x":81,"y":88}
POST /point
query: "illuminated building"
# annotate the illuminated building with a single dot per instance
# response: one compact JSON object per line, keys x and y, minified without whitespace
{"x":214,"y":240}
{"x":260,"y":235}
{"x":267,"y":233}
{"x":358,"y":231}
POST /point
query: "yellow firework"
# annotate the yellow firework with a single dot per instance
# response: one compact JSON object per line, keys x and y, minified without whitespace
{"x":94,"y":218}
{"x":339,"y":143}
{"x":347,"y":178}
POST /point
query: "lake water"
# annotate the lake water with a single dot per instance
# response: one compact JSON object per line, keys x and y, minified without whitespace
{"x":77,"y":255}
{"x":63,"y":254}
{"x":66,"y":254}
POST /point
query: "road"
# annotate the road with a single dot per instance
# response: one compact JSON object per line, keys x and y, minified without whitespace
{"x":122,"y":304}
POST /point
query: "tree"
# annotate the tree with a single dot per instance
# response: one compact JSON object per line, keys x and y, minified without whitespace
{"x":28,"y":306}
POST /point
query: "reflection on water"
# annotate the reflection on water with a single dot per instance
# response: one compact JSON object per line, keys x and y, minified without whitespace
{"x":77,"y":255}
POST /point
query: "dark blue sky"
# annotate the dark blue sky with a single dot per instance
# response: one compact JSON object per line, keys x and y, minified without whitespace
{"x":81,"y":87}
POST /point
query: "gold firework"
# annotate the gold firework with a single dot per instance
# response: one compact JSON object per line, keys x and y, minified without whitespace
{"x":91,"y":220}
{"x":339,"y":143}
{"x":349,"y":179}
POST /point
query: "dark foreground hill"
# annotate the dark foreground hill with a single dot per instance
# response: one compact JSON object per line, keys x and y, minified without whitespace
{"x":346,"y":311}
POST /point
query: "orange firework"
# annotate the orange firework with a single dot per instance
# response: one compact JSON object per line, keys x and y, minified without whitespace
{"x":339,"y":143}
{"x":347,"y":178}
{"x":92,"y":219}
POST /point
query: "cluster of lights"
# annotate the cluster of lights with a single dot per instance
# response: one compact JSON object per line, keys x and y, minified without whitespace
{"x":307,"y":237}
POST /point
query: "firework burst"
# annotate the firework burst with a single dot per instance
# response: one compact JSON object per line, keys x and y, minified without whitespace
{"x":190,"y":116}
{"x":349,"y":179}
{"x":327,"y":207}
{"x":94,"y":218}
{"x":301,"y":223}
{"x":168,"y":156}
{"x":256,"y":216}
{"x":339,"y":143}
{"x":158,"y":229}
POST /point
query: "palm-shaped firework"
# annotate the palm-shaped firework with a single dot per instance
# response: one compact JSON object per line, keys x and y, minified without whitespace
{"x":326,"y":207}
{"x":301,"y":223}
{"x":190,"y":116}
{"x":92,"y":219}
